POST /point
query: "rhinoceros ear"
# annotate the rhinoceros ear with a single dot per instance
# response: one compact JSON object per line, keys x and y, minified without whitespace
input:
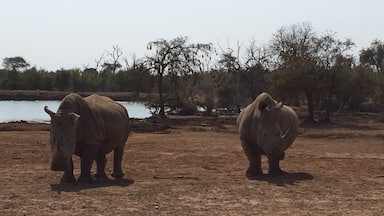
{"x":74,"y":116}
{"x":262,"y":105}
{"x":50,"y":112}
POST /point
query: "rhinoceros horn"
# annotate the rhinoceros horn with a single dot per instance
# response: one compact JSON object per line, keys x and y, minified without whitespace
{"x":50,"y":112}
{"x":285,"y":135}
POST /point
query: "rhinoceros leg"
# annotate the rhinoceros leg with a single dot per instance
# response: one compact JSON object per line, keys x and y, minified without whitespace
{"x":117,"y":158}
{"x":254,"y":158}
{"x":68,"y":174}
{"x":274,"y":167}
{"x":85,"y":174}
{"x":86,"y":164}
{"x":101,"y":161}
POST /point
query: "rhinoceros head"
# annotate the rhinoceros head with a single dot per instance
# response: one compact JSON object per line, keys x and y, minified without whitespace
{"x":269,"y":135}
{"x":62,"y":138}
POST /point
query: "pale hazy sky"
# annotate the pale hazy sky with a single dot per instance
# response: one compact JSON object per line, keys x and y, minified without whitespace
{"x":54,"y":34}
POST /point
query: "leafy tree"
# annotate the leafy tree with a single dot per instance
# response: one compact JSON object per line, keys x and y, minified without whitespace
{"x":373,"y":56}
{"x":227,"y":79}
{"x":361,"y":83}
{"x":297,"y":72}
{"x":63,"y":80}
{"x":226,"y":92}
{"x":3,"y":78}
{"x":48,"y":79}
{"x":175,"y":58}
{"x":15,"y":63}
{"x":78,"y":83}
{"x":135,"y":79}
{"x":13,"y":80}
{"x":90,"y":79}
{"x":204,"y":89}
{"x":32,"y":79}
{"x":334,"y":63}
{"x":255,"y":71}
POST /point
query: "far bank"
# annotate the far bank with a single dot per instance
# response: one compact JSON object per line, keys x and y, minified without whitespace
{"x":58,"y":95}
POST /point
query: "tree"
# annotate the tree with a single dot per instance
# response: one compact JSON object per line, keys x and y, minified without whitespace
{"x":175,"y":58}
{"x":135,"y":79}
{"x":361,"y":83}
{"x":13,"y":66}
{"x":48,"y":79}
{"x":334,"y":63}
{"x":32,"y":79}
{"x":90,"y":79}
{"x":78,"y":83}
{"x":297,"y":70}
{"x":111,"y":65}
{"x":15,"y":63}
{"x":373,"y":56}
{"x":256,"y":70}
{"x":309,"y":64}
{"x":63,"y":80}
{"x":227,"y":79}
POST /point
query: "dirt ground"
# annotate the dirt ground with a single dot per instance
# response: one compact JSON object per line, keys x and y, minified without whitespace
{"x":198,"y":168}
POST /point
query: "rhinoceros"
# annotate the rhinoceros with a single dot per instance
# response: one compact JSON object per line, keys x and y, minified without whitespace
{"x":90,"y":128}
{"x":266,"y":128}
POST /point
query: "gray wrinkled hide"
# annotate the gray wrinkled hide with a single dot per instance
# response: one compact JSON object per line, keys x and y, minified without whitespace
{"x":266,"y":128}
{"x":102,"y":126}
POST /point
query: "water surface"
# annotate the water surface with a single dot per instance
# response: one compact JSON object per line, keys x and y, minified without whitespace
{"x":33,"y":111}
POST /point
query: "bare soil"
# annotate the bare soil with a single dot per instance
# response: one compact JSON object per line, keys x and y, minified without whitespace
{"x":197,"y":167}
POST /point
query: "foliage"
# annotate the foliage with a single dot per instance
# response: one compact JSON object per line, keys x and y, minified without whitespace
{"x":15,"y":63}
{"x":295,"y":50}
{"x":312,"y":65}
{"x":374,"y":56}
{"x":175,"y":58}
{"x":227,"y":79}
{"x":298,"y":66}
{"x":360,"y":85}
{"x":254,"y":76}
{"x":236,"y":81}
{"x":334,"y":63}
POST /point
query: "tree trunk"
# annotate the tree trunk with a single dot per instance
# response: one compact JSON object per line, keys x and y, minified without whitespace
{"x":161,"y":99}
{"x":309,"y":96}
{"x":328,"y":107}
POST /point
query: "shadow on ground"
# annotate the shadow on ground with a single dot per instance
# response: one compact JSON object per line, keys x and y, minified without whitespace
{"x":76,"y":187}
{"x":286,"y":179}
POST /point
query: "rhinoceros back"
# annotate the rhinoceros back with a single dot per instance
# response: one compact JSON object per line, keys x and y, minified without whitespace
{"x":112,"y":120}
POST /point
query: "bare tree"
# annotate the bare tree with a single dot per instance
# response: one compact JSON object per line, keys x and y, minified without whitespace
{"x":98,"y":61}
{"x":115,"y":56}
{"x":109,"y":61}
